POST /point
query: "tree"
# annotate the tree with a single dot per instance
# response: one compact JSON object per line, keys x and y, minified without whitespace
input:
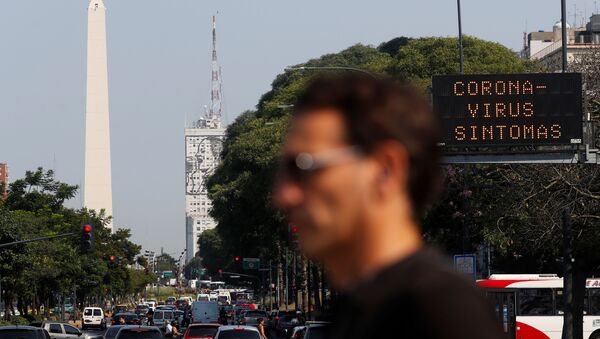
{"x":166,"y":262}
{"x":211,"y":252}
{"x":36,"y":273}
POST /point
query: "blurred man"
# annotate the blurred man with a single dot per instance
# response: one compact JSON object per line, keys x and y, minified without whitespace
{"x":358,"y":168}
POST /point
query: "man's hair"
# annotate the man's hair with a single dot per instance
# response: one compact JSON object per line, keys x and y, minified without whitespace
{"x":376,"y":110}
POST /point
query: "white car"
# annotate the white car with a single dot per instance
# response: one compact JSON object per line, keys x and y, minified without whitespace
{"x":242,"y":332}
{"x":151,"y":305}
{"x":93,"y":317}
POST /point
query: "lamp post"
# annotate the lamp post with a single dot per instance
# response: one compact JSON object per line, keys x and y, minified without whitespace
{"x":460,"y":42}
{"x":563,"y":20}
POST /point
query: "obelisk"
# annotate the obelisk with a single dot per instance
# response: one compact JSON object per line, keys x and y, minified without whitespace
{"x":98,"y":181}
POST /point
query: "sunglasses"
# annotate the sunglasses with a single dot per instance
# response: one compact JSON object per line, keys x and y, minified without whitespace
{"x":301,"y":167}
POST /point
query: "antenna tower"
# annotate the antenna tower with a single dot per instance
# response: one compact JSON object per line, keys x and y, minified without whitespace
{"x":214,"y":113}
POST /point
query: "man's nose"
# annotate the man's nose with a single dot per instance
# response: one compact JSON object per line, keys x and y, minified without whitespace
{"x":287,"y":194}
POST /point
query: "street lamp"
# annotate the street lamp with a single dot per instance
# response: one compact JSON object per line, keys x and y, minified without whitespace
{"x":329,"y":68}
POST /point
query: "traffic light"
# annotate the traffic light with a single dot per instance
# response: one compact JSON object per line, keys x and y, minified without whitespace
{"x":237,"y":259}
{"x":113,"y":261}
{"x":220,"y":272}
{"x":87,"y":238}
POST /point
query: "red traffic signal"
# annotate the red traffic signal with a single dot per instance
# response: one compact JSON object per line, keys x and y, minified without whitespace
{"x":294,"y":229}
{"x":237,"y":259}
{"x":87,"y":238}
{"x":112,"y":258}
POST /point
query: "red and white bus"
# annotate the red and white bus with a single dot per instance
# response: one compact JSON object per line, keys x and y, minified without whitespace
{"x":530,"y":305}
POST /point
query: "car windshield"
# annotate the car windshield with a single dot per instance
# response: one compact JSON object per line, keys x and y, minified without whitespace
{"x":319,"y":332}
{"x":203,"y":331}
{"x":135,"y":333}
{"x":238,"y":334}
{"x":18,"y":334}
{"x":157,"y":315}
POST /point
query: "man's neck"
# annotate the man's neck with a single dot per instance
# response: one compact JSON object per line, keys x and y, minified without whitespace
{"x":380,"y":244}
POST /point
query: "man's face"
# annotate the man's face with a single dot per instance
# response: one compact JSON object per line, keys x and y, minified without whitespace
{"x":327,"y":205}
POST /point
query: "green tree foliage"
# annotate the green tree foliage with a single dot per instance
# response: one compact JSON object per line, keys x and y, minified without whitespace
{"x":166,"y":262}
{"x":241,"y":186}
{"x":211,"y":252}
{"x":36,"y":273}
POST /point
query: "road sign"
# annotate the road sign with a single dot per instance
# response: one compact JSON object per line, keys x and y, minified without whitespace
{"x":167,"y":274}
{"x":251,"y":263}
{"x":509,"y":109}
{"x":466,"y":264}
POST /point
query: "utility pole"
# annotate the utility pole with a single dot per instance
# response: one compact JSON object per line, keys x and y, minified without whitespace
{"x":563,"y":20}
{"x":567,"y":276}
{"x":460,"y":40}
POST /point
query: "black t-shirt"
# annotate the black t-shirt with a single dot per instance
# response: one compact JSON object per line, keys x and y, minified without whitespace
{"x":418,"y":297}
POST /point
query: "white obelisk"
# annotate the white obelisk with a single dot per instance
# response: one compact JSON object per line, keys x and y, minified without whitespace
{"x":98,"y":182}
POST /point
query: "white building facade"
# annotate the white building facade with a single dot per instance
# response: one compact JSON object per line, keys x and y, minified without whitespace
{"x":202,"y":155}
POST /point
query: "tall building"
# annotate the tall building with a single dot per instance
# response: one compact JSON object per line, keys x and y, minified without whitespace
{"x":3,"y":180}
{"x":546,"y":47}
{"x":98,"y":181}
{"x":203,"y":145}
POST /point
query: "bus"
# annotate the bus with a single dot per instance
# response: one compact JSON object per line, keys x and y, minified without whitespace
{"x":529,"y":306}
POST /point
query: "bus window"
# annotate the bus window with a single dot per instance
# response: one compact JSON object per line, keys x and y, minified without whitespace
{"x":593,"y":301}
{"x":535,"y":301}
{"x":559,"y":301}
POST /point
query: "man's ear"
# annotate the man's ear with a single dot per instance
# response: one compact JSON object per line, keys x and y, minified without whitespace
{"x":393,"y":163}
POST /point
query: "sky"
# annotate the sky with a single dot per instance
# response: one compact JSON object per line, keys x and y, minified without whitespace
{"x":159,"y":77}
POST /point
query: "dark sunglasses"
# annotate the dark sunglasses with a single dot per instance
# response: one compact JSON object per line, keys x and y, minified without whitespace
{"x":301,"y":167}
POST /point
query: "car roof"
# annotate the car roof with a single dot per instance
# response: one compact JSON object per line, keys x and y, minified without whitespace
{"x":141,"y":327}
{"x":233,"y":327}
{"x":205,"y":325}
{"x":13,"y":327}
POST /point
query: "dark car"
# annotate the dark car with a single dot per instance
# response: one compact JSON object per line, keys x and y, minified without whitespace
{"x":316,"y":330}
{"x":142,"y":310}
{"x":23,"y":332}
{"x":286,"y":323}
{"x":111,"y":332}
{"x":251,"y":317}
{"x":130,"y":319}
{"x":139,"y":332}
{"x":201,"y":331}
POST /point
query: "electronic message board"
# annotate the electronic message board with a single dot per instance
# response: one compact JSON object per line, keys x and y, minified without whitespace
{"x":509,"y":109}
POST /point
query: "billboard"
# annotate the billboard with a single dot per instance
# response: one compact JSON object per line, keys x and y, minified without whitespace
{"x":509,"y":109}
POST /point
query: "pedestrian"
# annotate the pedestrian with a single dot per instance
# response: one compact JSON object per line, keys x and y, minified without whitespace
{"x":359,"y":166}
{"x":261,"y":328}
{"x":121,"y":321}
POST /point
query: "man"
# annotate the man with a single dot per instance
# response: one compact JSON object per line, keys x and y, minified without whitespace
{"x":358,"y":168}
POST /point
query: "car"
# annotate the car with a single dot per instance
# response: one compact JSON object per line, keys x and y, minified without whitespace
{"x":297,"y":332}
{"x":181,"y":304}
{"x":93,"y":317}
{"x":139,"y":332}
{"x":130,"y":319}
{"x":237,"y":332}
{"x":151,"y":304}
{"x":58,"y":330}
{"x":316,"y":330}
{"x":141,"y":309}
{"x":287,"y":321}
{"x":205,"y":312}
{"x":161,"y":317}
{"x":120,"y":309}
{"x":206,"y":331}
{"x":170,"y":300}
{"x":250,"y":317}
{"x":112,"y":331}
{"x":23,"y":332}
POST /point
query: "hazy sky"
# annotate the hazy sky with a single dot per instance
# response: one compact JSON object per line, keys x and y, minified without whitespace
{"x":159,"y":74}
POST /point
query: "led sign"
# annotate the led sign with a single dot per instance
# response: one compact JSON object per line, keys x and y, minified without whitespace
{"x":510,"y":109}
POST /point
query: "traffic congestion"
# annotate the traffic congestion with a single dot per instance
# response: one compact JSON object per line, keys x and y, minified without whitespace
{"x":218,"y":314}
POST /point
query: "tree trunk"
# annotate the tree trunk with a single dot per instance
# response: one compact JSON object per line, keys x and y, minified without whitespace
{"x":280,"y":280}
{"x":304,"y":284}
{"x":315,"y":286}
